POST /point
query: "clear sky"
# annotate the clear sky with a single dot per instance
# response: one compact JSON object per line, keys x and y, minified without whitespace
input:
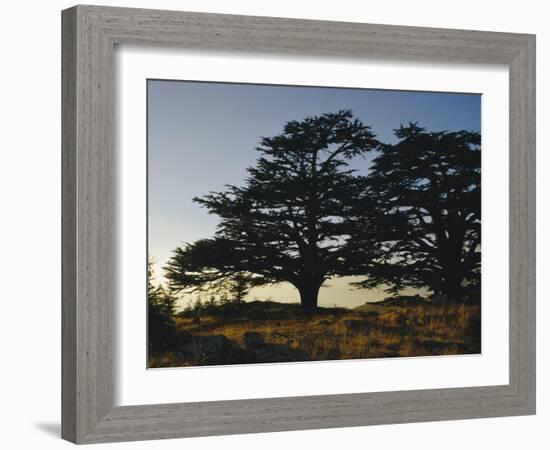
{"x":202,"y":136}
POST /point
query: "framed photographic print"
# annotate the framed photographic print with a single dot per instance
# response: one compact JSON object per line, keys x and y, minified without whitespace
{"x":278,"y":224}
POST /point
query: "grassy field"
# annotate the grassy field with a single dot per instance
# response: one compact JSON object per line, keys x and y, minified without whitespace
{"x":264,"y":332}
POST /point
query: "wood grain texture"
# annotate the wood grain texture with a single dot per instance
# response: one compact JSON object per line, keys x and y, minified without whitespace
{"x":523,"y":224}
{"x":68,"y":225}
{"x":89,"y":36}
{"x":87,"y":238}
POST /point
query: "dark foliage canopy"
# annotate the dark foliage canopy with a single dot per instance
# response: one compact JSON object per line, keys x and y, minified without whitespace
{"x":161,"y":307}
{"x":422,"y":204}
{"x":288,"y":222}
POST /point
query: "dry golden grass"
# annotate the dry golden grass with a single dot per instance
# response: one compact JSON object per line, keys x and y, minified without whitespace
{"x":376,"y":331}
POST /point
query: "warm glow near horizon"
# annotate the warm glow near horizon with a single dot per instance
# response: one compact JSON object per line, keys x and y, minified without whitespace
{"x":334,"y":292}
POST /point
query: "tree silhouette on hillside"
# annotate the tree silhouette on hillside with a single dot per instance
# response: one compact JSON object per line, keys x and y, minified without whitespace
{"x":422,"y":201}
{"x":288,"y":222}
{"x":304,"y":216}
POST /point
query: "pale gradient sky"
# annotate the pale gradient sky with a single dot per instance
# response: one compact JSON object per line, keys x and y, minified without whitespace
{"x":202,"y":136}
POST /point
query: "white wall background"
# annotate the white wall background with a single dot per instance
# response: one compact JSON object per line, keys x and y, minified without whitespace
{"x":30,"y":223}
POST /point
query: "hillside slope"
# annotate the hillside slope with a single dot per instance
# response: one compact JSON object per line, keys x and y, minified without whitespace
{"x":266,"y":332}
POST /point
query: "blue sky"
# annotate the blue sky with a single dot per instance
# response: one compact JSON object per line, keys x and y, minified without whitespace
{"x":202,"y":136}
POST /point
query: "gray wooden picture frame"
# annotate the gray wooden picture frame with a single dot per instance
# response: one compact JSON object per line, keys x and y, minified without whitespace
{"x":89,"y":35}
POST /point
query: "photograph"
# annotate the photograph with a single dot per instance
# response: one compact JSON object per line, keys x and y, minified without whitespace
{"x":308,"y":223}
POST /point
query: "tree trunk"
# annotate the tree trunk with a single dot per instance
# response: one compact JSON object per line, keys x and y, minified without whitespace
{"x":452,"y":286}
{"x":308,"y":296}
